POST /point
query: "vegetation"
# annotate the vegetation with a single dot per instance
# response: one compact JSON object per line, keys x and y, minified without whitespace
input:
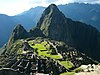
{"x":68,"y":73}
{"x":67,"y":64}
{"x":78,"y":70}
{"x":73,"y":72}
{"x":43,"y":50}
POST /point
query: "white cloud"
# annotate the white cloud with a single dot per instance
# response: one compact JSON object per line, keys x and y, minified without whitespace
{"x":57,"y":2}
{"x":47,"y":2}
{"x":35,"y":3}
{"x":87,"y":1}
{"x":13,"y":7}
{"x":63,"y":2}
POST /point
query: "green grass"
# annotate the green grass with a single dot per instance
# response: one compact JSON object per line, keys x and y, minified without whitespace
{"x":43,"y":50}
{"x":55,"y":57}
{"x":66,"y":64}
{"x":68,"y":73}
{"x":77,"y":70}
{"x":44,"y":43}
{"x":39,"y":46}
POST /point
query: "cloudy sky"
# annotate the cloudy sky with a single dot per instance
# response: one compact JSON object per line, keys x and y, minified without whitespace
{"x":13,"y":7}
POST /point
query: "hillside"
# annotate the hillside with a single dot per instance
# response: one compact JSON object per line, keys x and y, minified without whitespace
{"x":56,"y":46}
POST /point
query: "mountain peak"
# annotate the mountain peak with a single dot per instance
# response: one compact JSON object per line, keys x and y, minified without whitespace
{"x":50,"y":14}
{"x":18,"y":33}
{"x":51,"y":9}
{"x":53,"y":6}
{"x":18,"y":28}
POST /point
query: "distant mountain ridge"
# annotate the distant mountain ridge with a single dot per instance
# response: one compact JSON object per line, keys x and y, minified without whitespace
{"x":29,"y":18}
{"x":87,"y":13}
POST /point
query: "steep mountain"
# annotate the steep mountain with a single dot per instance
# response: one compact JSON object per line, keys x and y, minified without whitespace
{"x":55,"y":25}
{"x":6,"y":27}
{"x":18,"y":33}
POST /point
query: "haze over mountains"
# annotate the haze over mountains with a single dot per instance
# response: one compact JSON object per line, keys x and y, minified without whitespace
{"x":86,"y":13}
